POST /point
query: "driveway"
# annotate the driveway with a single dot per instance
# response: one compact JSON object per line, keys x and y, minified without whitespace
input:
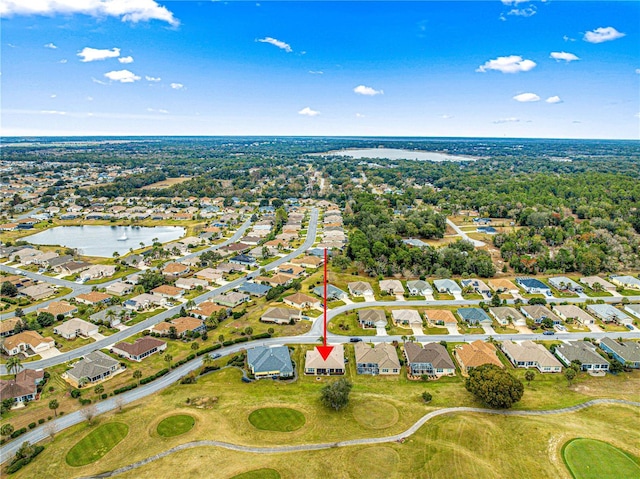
{"x":452,"y":328}
{"x":417,"y":330}
{"x":488,"y":329}
{"x":594,"y":328}
{"x":49,"y":353}
{"x":399,"y":297}
{"x":381,"y":331}
{"x":369,"y":298}
{"x":97,"y":336}
{"x":458,"y":296}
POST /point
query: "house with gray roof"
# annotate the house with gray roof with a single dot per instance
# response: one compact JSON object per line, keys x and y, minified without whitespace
{"x":360,"y":288}
{"x":626,"y":282}
{"x":592,"y":281}
{"x":280,"y":315}
{"x":478,"y":286}
{"x":419,"y":288}
{"x":75,"y":327}
{"x":626,"y":352}
{"x":585,"y":353}
{"x":474,"y":316}
{"x":538,"y":313}
{"x":430,"y":360}
{"x":114,"y":315}
{"x":95,"y":366}
{"x":273,"y":362}
{"x":333,"y":292}
{"x":406,"y":317}
{"x":563,"y":283}
{"x":253,"y":289}
{"x":447,"y":286}
{"x":608,"y":313}
{"x":533,"y":286}
{"x":633,"y":309}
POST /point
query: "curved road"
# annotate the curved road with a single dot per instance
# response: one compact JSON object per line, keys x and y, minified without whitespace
{"x":147,"y":323}
{"x":358,"y":442}
{"x":465,"y":236}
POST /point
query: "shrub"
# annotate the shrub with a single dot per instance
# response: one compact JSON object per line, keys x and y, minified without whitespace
{"x":242,"y":340}
{"x":426,"y":396}
{"x":76,"y":393}
{"x":148,"y":379}
{"x":227,"y":343}
{"x":41,"y":420}
{"x":104,"y":396}
{"x":18,"y":432}
{"x":32,"y":425}
{"x":125,"y":388}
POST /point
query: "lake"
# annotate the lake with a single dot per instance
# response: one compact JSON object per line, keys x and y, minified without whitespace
{"x":105,"y":240}
{"x":397,"y":154}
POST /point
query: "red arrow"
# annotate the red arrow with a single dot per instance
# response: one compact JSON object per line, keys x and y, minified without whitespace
{"x":325,"y":350}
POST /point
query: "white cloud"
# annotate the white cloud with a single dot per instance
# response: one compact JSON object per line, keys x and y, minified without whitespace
{"x":523,"y":12}
{"x":306,"y":111}
{"x":53,"y":96}
{"x":53,"y":112}
{"x":359,"y":115}
{"x":177,"y":86}
{"x":446,"y":117}
{"x":603,"y":34}
{"x":638,"y":71}
{"x":513,"y":2}
{"x":316,"y":72}
{"x":568,"y":39}
{"x":637,"y":115}
{"x":153,"y":79}
{"x":125,"y":60}
{"x":526,"y":97}
{"x":280,"y":44}
{"x":123,"y":76}
{"x":567,"y":57}
{"x":64,"y":60}
{"x":509,"y":64}
{"x":507,"y":120}
{"x":127,"y":10}
{"x":159,"y":110}
{"x":50,"y":45}
{"x":367,"y":90}
{"x":89,"y":98}
{"x":94,"y":54}
{"x":554,"y":99}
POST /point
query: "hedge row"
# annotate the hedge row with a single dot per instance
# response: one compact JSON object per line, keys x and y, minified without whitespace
{"x":20,"y":463}
{"x":18,"y":432}
{"x":125,"y":389}
{"x":148,"y":379}
{"x":208,"y":349}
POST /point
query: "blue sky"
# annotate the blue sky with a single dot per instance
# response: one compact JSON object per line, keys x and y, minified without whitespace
{"x":501,"y":68}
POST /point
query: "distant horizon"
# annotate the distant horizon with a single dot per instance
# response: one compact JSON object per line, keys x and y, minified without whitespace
{"x":474,"y":69}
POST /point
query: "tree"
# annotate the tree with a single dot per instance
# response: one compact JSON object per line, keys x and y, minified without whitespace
{"x":54,"y":405}
{"x":168,"y":358}
{"x":6,"y":429}
{"x":195,"y":346}
{"x":83,"y":381}
{"x":19,"y":313}
{"x":50,"y":429}
{"x":570,"y":374}
{"x":207,"y":360}
{"x":8,"y":289}
{"x":426,"y":396}
{"x":14,"y":364}
{"x":336,"y":394}
{"x":99,"y":389}
{"x":529,"y":376}
{"x":494,"y":386}
{"x":45,"y":319}
{"x":248,"y":330}
{"x":137,"y":374}
{"x":89,"y":413}
{"x":495,"y":300}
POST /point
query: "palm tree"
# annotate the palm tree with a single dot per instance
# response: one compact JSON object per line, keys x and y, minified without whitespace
{"x":110,"y":314}
{"x":168,"y":358}
{"x":53,"y":404}
{"x":190,"y":304}
{"x":14,"y":364}
{"x":137,"y":374}
{"x":207,"y":359}
{"x":83,"y":381}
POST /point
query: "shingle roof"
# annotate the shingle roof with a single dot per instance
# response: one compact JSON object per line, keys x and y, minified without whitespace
{"x":432,"y":353}
{"x":263,"y":359}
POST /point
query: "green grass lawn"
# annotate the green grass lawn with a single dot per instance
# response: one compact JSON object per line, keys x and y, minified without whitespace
{"x":175,"y":425}
{"x":347,"y":325}
{"x":591,"y":459}
{"x":259,"y":474}
{"x":97,"y":443}
{"x":280,"y":419}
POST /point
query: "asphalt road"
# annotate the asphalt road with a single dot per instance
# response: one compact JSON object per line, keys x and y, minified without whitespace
{"x":476,"y":243}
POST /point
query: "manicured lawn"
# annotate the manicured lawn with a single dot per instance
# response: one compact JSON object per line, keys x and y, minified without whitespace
{"x":591,"y":459}
{"x":347,"y":325}
{"x":97,"y":443}
{"x":277,"y":419}
{"x":259,"y":474}
{"x":175,"y":425}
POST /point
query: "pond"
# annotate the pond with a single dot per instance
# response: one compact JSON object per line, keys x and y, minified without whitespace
{"x":397,"y":154}
{"x":103,"y":241}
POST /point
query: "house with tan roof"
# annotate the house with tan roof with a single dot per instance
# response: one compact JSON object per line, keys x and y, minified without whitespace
{"x":573,"y":312}
{"x":168,"y":292}
{"x":175,"y":270}
{"x":504,"y":314}
{"x":206,"y":309}
{"x":440,"y":316}
{"x":596,"y":282}
{"x":141,"y":348}
{"x":301,"y":301}
{"x":24,"y":387}
{"x":308,"y":261}
{"x":279,"y":279}
{"x":8,"y":326}
{"x":59,"y":307}
{"x":372,"y":318}
{"x":332,"y":366}
{"x":500,"y":285}
{"x":191,"y":283}
{"x":93,"y":298}
{"x":27,"y":342}
{"x":360,"y":288}
{"x":209,"y":274}
{"x":292,"y":270}
{"x":381,"y":359}
{"x":75,"y":327}
{"x":98,"y":271}
{"x":182,"y":325}
{"x":476,"y":354}
{"x":391,"y":286}
{"x":280,"y":315}
{"x":528,"y":354}
{"x":120,"y":289}
{"x":39,"y":291}
{"x":406,"y":317}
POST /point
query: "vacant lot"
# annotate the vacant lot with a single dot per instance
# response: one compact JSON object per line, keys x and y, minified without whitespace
{"x":166,"y":183}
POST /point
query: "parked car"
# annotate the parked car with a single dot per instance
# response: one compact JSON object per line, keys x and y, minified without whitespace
{"x":630,"y":326}
{"x":549,"y":333}
{"x":355,"y":340}
{"x":216,"y":356}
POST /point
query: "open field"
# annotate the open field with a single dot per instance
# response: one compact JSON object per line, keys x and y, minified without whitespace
{"x":277,"y":419}
{"x":97,"y":443}
{"x":592,"y":459}
{"x":471,"y":444}
{"x":166,"y":183}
